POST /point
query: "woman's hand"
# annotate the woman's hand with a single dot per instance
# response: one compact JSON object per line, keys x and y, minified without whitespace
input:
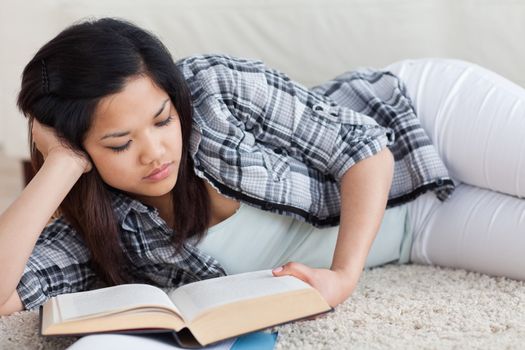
{"x":334,"y":285}
{"x":47,"y":142}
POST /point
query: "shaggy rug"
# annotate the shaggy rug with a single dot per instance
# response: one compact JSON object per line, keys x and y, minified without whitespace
{"x":394,"y":307}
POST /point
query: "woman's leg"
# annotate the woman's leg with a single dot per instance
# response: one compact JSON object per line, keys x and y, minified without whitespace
{"x":476,"y":119}
{"x":476,"y":229}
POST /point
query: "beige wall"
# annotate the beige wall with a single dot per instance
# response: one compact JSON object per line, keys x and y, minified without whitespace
{"x":312,"y":40}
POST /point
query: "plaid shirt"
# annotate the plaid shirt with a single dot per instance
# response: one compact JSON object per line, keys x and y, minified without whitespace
{"x":264,"y":139}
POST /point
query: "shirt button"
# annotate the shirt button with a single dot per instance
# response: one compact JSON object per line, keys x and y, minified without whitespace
{"x":318,"y":108}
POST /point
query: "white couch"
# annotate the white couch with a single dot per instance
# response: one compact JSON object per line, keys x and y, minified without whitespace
{"x":311,"y":40}
{"x":314,"y":40}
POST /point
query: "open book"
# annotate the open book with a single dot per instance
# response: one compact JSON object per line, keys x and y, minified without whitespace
{"x":197,"y":314}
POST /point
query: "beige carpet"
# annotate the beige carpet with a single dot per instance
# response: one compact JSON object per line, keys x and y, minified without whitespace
{"x":394,"y":307}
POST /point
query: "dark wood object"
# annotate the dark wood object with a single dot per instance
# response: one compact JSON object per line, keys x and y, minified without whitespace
{"x":28,"y":171}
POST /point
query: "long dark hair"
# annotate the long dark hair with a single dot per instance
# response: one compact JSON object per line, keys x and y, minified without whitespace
{"x":61,"y":87}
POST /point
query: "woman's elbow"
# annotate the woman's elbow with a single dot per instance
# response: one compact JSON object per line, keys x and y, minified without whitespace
{"x":13,"y":304}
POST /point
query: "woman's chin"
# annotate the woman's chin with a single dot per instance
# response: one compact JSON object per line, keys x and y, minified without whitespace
{"x":160,"y":189}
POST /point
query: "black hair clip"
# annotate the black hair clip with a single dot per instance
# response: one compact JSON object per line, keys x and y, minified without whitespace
{"x":45,"y":78}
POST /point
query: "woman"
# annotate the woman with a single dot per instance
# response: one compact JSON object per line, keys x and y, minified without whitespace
{"x":146,"y":158}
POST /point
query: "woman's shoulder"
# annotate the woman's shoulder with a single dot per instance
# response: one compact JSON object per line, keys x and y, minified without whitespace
{"x":59,"y":228}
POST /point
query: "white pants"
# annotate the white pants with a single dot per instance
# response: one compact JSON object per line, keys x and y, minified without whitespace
{"x":476,"y":120}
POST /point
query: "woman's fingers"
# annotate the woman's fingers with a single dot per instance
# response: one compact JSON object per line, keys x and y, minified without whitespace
{"x":44,"y":137}
{"x":46,"y":141}
{"x":301,"y":271}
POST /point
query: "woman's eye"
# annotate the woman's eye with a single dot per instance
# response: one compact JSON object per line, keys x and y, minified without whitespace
{"x":165,"y":121}
{"x":126,"y":146}
{"x":120,"y":148}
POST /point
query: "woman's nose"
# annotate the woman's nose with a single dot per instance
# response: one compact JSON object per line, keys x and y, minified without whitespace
{"x":152,"y":150}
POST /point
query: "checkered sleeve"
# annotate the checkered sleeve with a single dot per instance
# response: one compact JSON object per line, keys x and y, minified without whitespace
{"x":284,"y":115}
{"x":58,"y":264}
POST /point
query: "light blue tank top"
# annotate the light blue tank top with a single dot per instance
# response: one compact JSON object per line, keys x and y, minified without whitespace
{"x":254,"y":239}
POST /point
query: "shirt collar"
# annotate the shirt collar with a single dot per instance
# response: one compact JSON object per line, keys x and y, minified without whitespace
{"x":124,"y":204}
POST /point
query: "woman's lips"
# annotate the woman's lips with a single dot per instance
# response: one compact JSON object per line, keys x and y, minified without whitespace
{"x":160,"y":173}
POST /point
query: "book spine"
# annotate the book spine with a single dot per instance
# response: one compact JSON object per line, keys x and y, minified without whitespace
{"x":186,"y":339}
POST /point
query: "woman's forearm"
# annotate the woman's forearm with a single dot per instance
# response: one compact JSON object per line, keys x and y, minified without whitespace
{"x":24,"y":220}
{"x":364,"y":193}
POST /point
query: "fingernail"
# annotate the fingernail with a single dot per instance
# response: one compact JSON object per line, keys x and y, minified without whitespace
{"x":278,"y":269}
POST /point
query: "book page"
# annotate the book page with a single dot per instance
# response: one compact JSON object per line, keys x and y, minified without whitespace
{"x":137,"y":342}
{"x":110,"y":300}
{"x":196,"y":297}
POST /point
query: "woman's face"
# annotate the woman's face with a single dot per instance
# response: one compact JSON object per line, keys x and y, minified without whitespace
{"x":135,"y":140}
